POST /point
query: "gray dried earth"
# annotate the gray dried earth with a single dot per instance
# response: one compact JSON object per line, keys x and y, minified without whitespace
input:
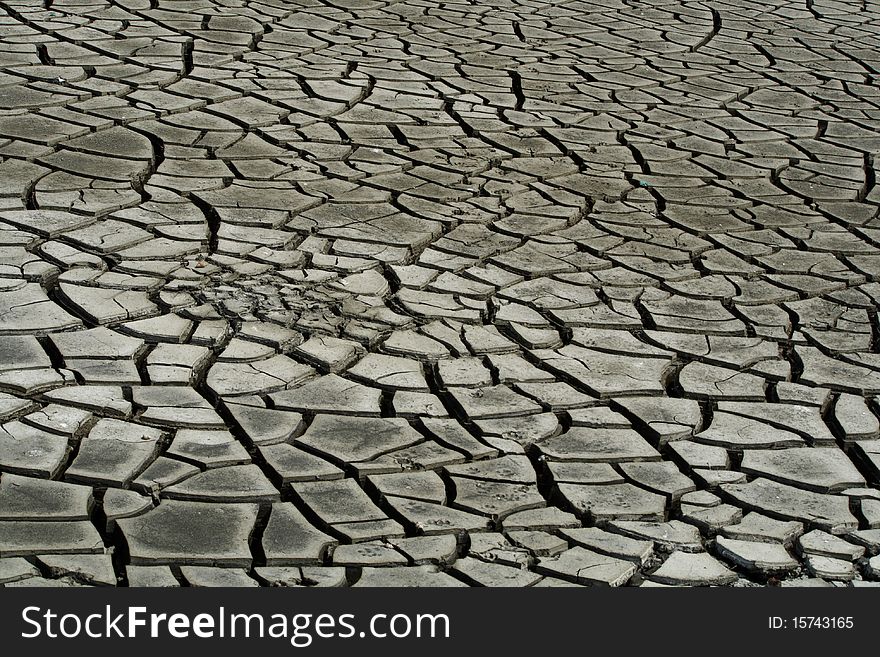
{"x":415,"y":293}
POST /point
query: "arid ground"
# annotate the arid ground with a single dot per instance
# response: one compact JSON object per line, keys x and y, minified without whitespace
{"x":423,"y":293}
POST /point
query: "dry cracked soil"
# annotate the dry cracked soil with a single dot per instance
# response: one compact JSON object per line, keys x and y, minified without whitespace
{"x":426,"y":293}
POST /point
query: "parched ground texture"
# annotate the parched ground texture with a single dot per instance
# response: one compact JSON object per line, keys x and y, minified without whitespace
{"x":504,"y":292}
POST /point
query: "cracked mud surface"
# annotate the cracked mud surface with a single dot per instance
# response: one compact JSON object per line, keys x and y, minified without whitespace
{"x":357,"y":292}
